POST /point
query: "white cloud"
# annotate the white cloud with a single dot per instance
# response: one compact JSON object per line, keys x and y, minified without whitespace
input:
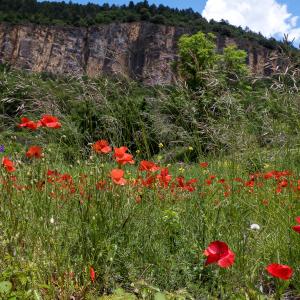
{"x":265,"y":16}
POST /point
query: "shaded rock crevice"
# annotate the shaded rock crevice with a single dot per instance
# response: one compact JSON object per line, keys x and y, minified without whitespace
{"x":140,"y":50}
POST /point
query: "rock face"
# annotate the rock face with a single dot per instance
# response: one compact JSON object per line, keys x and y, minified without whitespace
{"x":140,"y":50}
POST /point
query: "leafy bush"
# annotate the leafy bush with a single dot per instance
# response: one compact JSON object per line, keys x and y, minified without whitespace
{"x":199,"y":63}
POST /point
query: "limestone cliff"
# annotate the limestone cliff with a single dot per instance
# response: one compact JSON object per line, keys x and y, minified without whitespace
{"x":138,"y":50}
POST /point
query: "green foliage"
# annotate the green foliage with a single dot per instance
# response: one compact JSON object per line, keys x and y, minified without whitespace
{"x":18,"y":280}
{"x":52,"y":236}
{"x":199,"y":62}
{"x":143,"y":242}
{"x":226,"y":118}
{"x":233,"y":63}
{"x":5,"y":287}
{"x":119,"y":294}
{"x":197,"y":55}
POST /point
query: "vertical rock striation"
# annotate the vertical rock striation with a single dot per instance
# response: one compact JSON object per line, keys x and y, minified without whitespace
{"x":139,"y":50}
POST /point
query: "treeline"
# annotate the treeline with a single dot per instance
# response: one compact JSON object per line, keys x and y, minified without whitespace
{"x":62,"y":13}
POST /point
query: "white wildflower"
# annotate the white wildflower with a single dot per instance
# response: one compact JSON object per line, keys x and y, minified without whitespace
{"x":254,"y":227}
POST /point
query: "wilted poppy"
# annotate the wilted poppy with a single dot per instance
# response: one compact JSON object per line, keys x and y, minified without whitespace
{"x":117,"y":176}
{"x":280,"y":271}
{"x":8,"y":164}
{"x":219,"y":252}
{"x":101,"y":146}
{"x":34,"y":151}
{"x":50,"y":121}
{"x":100,"y":185}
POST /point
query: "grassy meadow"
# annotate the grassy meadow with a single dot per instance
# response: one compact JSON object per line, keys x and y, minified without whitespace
{"x":87,"y":220}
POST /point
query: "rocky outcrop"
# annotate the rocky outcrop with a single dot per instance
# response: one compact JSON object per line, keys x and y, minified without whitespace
{"x":140,"y":50}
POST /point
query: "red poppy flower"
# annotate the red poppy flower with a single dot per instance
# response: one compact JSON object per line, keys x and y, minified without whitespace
{"x":297,"y":227}
{"x":148,"y":166}
{"x":148,"y":181}
{"x":29,"y":124}
{"x":92,"y":274}
{"x":8,"y":164}
{"x":34,"y":151}
{"x":250,"y":183}
{"x":120,"y":151}
{"x":188,"y":185}
{"x":52,"y":173}
{"x":219,"y":252}
{"x":101,"y":146}
{"x":203,"y":165}
{"x":269,"y":175}
{"x":125,"y":159}
{"x":283,"y":183}
{"x":164,"y":177}
{"x":280,"y":271}
{"x":117,"y":176}
{"x":122,"y":157}
{"x":50,"y":121}
{"x":65,"y":178}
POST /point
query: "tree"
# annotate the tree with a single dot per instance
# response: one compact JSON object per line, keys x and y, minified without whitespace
{"x":233,"y":63}
{"x":199,"y":61}
{"x":145,"y":14}
{"x":158,"y":19}
{"x":196,"y":55}
{"x":131,"y":5}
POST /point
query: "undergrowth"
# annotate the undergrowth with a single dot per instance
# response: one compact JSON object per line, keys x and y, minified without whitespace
{"x":63,"y":214}
{"x":218,"y":120}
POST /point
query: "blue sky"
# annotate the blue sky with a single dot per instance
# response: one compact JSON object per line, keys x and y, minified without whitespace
{"x":270,"y":17}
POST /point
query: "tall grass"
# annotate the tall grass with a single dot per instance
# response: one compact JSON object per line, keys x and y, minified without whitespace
{"x":218,"y":120}
{"x":138,"y":237}
{"x":148,"y":240}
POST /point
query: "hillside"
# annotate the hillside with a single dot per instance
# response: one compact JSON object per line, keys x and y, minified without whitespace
{"x":62,"y":13}
{"x":137,"y":41}
{"x":139,"y":50}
